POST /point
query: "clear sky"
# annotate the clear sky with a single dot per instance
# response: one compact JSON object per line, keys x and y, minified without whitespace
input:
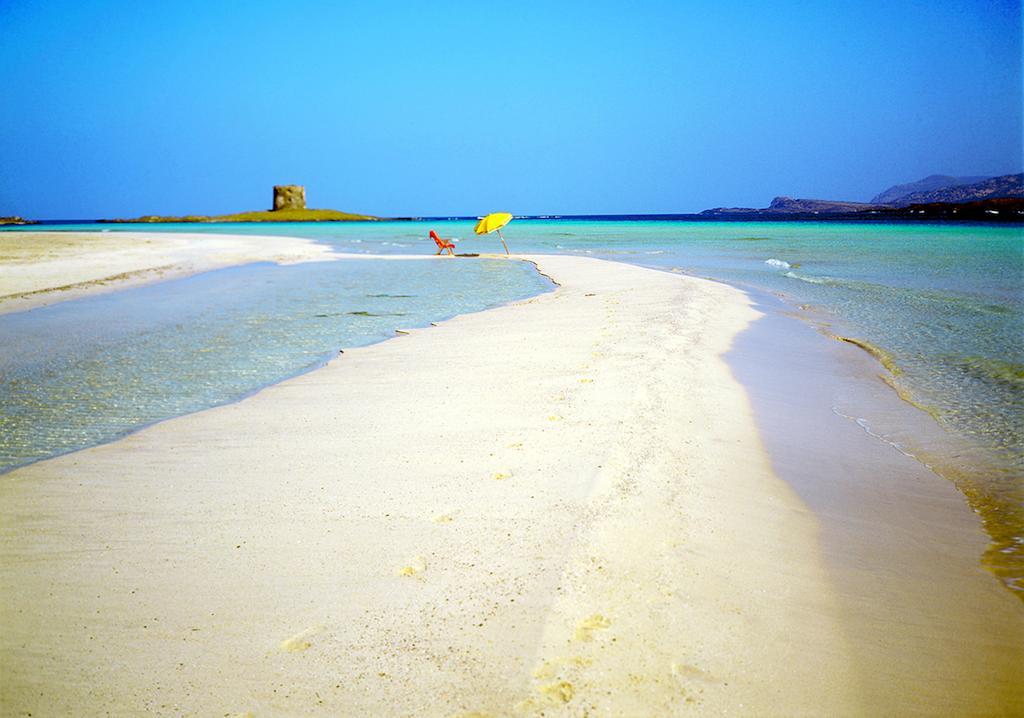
{"x":422,"y":108}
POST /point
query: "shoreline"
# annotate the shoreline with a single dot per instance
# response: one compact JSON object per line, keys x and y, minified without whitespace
{"x":694,"y":621}
{"x":320,"y":362}
{"x":98,"y":262}
{"x":42,"y":268}
{"x":898,"y":537}
{"x":920,"y":434}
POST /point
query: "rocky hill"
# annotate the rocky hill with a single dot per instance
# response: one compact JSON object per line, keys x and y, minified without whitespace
{"x":894,"y":194}
{"x":788,"y":205}
{"x":1007,"y":186}
{"x":815,"y":206}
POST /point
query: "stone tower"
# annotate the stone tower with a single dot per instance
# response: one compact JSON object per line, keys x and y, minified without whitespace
{"x":289,"y":196}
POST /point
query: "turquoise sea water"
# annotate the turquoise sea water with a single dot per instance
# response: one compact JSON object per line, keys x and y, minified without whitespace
{"x":943,"y":304}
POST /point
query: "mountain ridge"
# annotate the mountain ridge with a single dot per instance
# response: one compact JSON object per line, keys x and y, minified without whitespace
{"x":1005,"y":186}
{"x":928,"y":184}
{"x":991,"y":188}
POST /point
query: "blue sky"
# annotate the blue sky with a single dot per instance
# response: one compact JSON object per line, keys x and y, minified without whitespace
{"x":129,"y":108}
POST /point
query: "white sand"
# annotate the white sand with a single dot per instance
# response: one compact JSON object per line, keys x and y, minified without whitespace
{"x":558,"y":507}
{"x":39,"y":268}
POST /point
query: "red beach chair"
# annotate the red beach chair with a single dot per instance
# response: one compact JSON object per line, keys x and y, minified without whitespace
{"x":442,"y":244}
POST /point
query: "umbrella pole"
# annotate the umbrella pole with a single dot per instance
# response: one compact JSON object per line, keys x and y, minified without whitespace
{"x":503,"y":243}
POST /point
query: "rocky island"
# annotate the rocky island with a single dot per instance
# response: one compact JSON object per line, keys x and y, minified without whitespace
{"x":289,"y":205}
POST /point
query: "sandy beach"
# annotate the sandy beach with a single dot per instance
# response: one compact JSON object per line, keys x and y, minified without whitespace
{"x":563,"y":506}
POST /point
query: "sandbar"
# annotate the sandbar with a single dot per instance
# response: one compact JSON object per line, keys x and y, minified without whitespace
{"x":562,"y":506}
{"x":41,"y":268}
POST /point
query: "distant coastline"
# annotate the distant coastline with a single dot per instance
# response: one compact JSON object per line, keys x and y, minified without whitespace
{"x":999,"y":211}
{"x":1004,"y":209}
{"x":939,"y":198}
{"x":936,"y":197}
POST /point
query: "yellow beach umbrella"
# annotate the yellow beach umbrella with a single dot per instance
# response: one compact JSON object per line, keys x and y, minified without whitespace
{"x":493,"y":223}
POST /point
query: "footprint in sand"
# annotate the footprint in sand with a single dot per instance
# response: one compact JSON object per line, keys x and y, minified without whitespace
{"x":443,"y":518}
{"x":300,"y":641}
{"x":688,"y":671}
{"x":588,"y":626}
{"x":558,"y":692}
{"x":415,"y":567}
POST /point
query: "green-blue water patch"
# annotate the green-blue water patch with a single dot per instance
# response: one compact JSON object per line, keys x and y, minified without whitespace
{"x":88,"y":371}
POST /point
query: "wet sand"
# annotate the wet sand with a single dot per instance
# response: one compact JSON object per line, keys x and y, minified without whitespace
{"x":558,"y":507}
{"x":932,"y":631}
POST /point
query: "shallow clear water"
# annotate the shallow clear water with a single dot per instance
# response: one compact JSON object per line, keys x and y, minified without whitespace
{"x":944,"y":303}
{"x":84,"y":372}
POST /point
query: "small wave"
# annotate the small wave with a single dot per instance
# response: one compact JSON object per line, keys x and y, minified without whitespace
{"x":655,"y":251}
{"x":777,"y":263}
{"x":810,"y":280}
{"x":866,"y":427}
